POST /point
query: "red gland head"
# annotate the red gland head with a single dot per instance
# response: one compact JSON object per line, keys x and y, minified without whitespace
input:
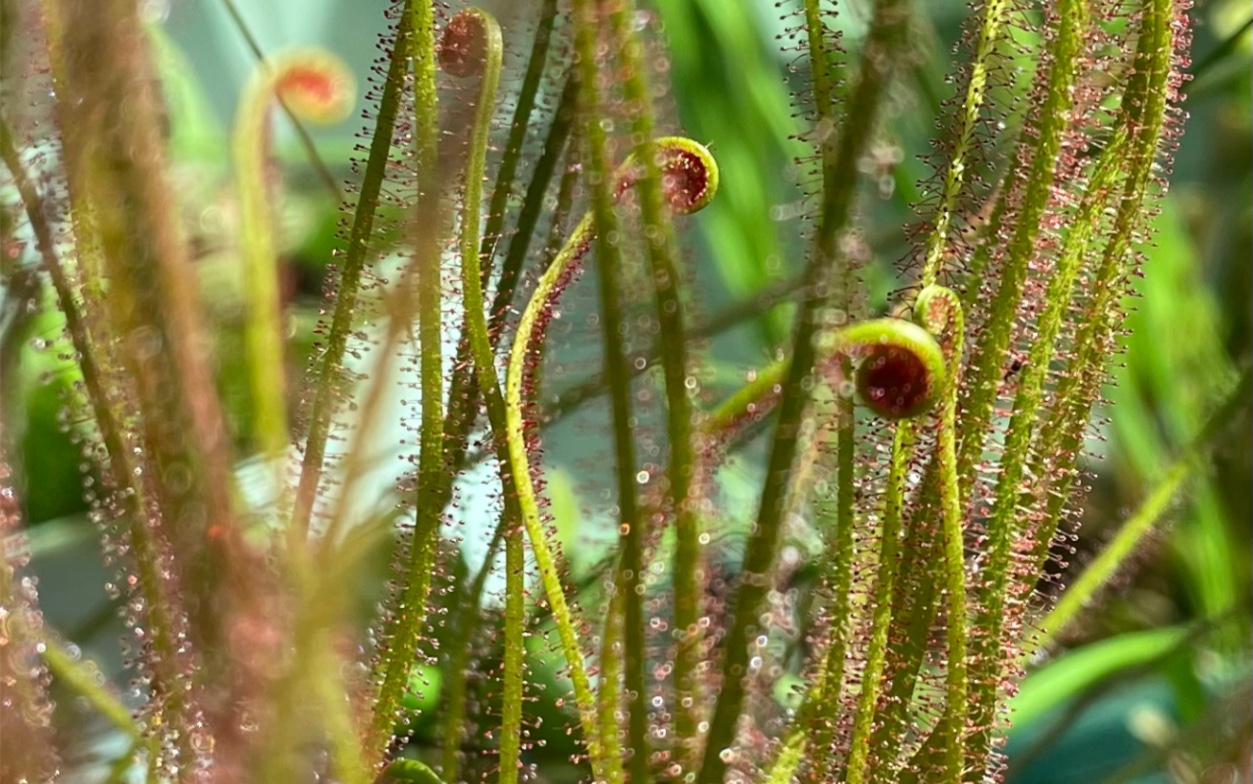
{"x":689,"y":174}
{"x":314,"y":84}
{"x":894,"y":382}
{"x":463,"y":45}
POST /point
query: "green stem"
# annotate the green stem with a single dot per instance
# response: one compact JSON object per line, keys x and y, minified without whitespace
{"x":345,"y":748}
{"x":609,"y":677}
{"x":108,"y":111}
{"x":415,"y":35}
{"x":463,"y":392}
{"x":813,"y":727}
{"x":84,"y":681}
{"x":533,"y":205}
{"x":1143,"y":113}
{"x":464,"y":627}
{"x":881,"y":617}
{"x":146,"y":551}
{"x":991,"y":32}
{"x":604,"y":768}
{"x":489,"y":386}
{"x":468,"y":609}
{"x":457,"y":430}
{"x":631,"y":526}
{"x":986,"y":657}
{"x":820,"y":69}
{"x":839,"y":180}
{"x":306,"y":141}
{"x":1054,"y":121}
{"x":659,"y":233}
{"x":263,"y":329}
{"x":835,"y":167}
{"x":914,"y":609}
{"x":515,"y":652}
{"x":416,"y":16}
{"x":517,"y":136}
{"x":940,"y":310}
{"x":679,"y":152}
{"x":1004,"y":525}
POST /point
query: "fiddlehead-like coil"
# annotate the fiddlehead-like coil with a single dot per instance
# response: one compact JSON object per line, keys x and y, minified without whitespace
{"x":689,"y":181}
{"x":317,"y":86}
{"x":901,"y":367}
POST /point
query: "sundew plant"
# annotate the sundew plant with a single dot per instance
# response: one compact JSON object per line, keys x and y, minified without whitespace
{"x":514,"y":217}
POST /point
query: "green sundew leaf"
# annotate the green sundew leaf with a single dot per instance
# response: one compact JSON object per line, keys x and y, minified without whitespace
{"x":1076,"y":672}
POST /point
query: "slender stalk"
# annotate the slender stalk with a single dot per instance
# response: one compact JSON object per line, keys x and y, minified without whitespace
{"x":609,"y":677}
{"x":517,"y":135}
{"x":1143,"y":113}
{"x":915,"y":605}
{"x":306,"y":141}
{"x":108,"y":113}
{"x":464,"y":628}
{"x":415,"y":35}
{"x":940,"y":309}
{"x":483,"y":26}
{"x":881,"y":616}
{"x":457,"y":431}
{"x":814,"y":728}
{"x":839,"y":179}
{"x":463,"y":390}
{"x":533,"y":205}
{"x":263,"y":330}
{"x":330,"y":691}
{"x":1005,"y":526}
{"x":604,"y":768}
{"x":312,"y":676}
{"x":986,"y":658}
{"x":628,"y":577}
{"x":146,"y":549}
{"x":416,"y":16}
{"x":1054,"y":120}
{"x":679,"y":153}
{"x":991,"y":32}
{"x":659,"y":233}
{"x":83,"y":680}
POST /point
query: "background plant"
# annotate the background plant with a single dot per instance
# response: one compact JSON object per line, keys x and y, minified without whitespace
{"x":239,"y":575}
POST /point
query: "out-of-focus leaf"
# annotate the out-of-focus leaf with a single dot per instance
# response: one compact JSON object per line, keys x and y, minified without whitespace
{"x":1061,"y":680}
